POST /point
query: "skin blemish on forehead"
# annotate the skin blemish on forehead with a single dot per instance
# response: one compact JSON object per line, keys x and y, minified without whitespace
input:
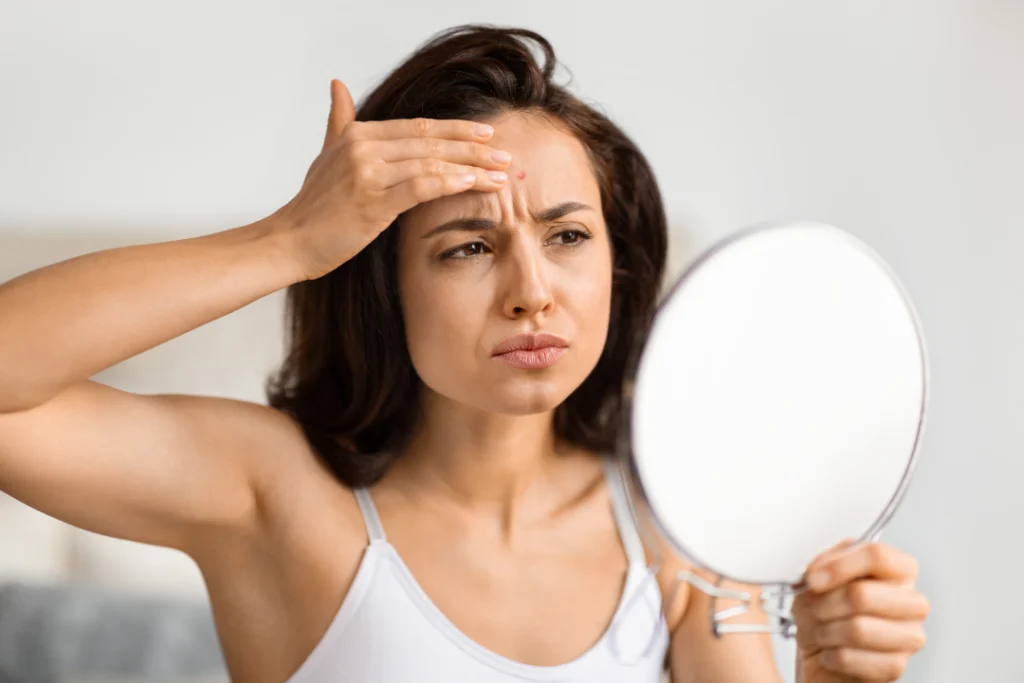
{"x":521,"y":175}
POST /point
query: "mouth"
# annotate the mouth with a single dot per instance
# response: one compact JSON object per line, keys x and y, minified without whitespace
{"x":531,"y":351}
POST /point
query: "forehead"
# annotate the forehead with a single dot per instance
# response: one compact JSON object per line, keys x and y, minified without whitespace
{"x":555,"y":168}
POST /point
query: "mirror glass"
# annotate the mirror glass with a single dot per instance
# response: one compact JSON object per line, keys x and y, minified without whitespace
{"x":778,"y":401}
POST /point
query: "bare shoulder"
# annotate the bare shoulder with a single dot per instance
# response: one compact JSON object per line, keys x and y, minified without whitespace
{"x":162,"y":469}
{"x":301,"y":505}
{"x":676,"y":594}
{"x":695,"y":652}
{"x":278,"y":585}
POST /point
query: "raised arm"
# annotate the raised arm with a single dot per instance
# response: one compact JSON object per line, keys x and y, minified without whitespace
{"x":159,"y":469}
{"x":140,"y":467}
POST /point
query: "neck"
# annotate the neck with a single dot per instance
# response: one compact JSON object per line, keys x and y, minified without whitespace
{"x":488,"y":464}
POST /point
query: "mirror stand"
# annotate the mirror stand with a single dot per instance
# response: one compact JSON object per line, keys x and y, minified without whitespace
{"x":775,"y":601}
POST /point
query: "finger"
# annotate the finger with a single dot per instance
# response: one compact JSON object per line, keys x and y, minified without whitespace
{"x":390,"y":175}
{"x":451,"y":129}
{"x":863,"y":664}
{"x":455,"y":151}
{"x":870,"y":597}
{"x":343,"y":111}
{"x":420,"y":189}
{"x":871,"y":560}
{"x":834,"y":551}
{"x":871,"y":633}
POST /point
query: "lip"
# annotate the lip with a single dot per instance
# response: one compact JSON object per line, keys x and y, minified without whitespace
{"x":533,"y":359}
{"x":530,"y":342}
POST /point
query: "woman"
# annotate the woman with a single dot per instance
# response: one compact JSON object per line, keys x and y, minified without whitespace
{"x":470,"y":261}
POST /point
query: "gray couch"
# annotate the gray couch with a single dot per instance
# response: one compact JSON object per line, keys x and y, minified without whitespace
{"x":81,"y":634}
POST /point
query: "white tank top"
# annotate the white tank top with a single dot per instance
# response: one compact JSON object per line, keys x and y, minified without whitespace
{"x":388,"y":630}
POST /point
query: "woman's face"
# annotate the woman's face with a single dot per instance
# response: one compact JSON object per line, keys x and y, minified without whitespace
{"x":465,"y":290}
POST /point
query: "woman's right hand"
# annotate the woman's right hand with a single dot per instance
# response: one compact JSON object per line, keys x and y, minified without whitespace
{"x":370,"y":172}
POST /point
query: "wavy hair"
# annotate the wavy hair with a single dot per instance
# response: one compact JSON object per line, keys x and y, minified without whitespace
{"x":347,"y":377}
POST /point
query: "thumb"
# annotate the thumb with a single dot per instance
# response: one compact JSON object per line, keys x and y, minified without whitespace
{"x":343,"y":111}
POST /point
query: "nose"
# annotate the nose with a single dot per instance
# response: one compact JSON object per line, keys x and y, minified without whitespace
{"x":527,"y":290}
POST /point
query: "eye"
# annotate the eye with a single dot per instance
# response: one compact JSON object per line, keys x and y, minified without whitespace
{"x":572,"y":238}
{"x":465,"y":251}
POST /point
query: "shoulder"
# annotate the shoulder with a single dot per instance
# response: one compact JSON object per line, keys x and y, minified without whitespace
{"x":297,"y":496}
{"x":696,"y":653}
{"x":676,"y":594}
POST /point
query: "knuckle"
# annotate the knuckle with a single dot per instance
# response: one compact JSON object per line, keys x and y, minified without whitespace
{"x":920,"y":640}
{"x":897,"y":666}
{"x":819,"y":613}
{"x":367,"y":175}
{"x":353,"y":131}
{"x":842,"y":657}
{"x":858,"y":630}
{"x":877,"y":553}
{"x":354,"y":152}
{"x":480,"y":152}
{"x":432,"y":147}
{"x":422,"y":126}
{"x":857,"y":596}
{"x":926,"y":606}
{"x":432,"y":167}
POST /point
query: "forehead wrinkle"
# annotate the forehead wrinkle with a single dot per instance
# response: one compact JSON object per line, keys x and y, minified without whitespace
{"x":520,"y":203}
{"x":511,"y":203}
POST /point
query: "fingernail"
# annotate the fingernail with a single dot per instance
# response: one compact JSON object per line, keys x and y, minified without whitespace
{"x":502,"y":156}
{"x":482,"y":129}
{"x":497,"y":176}
{"x":818,"y":579}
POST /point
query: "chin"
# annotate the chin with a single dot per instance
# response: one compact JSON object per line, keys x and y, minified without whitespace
{"x":516,"y":393}
{"x":526,"y":397}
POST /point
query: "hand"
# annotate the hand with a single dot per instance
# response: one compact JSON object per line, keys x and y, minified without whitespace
{"x":861,"y":619}
{"x":367,"y":173}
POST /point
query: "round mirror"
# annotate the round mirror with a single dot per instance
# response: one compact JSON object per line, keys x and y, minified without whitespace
{"x":778,"y":402}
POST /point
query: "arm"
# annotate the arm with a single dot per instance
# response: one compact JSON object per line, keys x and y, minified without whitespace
{"x":145,"y":468}
{"x":157,"y":469}
{"x":861,"y":621}
{"x":697,"y":656}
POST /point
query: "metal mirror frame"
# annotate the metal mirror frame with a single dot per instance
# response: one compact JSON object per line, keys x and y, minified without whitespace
{"x":775,"y":598}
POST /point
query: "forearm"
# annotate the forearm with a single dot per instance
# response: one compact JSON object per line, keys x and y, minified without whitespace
{"x":64,"y":323}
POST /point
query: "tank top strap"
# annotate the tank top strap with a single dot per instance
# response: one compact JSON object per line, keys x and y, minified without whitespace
{"x":624,"y":518}
{"x":374,"y":529}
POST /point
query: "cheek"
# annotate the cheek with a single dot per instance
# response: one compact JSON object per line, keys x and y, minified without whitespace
{"x":593,"y":313}
{"x":589,"y":290}
{"x":444,"y":317}
{"x":601,"y":302}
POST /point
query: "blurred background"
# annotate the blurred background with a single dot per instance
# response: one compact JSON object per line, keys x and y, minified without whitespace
{"x":901,"y":121}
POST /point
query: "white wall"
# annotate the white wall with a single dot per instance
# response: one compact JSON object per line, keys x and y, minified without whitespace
{"x":901,"y":121}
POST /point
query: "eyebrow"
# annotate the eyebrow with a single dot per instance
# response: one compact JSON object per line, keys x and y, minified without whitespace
{"x":477,"y":224}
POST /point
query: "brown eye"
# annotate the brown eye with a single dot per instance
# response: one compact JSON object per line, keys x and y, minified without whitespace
{"x":465,"y":251}
{"x":572,"y":238}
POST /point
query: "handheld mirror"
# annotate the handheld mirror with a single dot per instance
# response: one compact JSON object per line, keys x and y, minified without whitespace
{"x":777,"y":407}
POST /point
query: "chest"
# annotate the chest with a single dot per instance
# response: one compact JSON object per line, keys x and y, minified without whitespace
{"x":392,"y":631}
{"x":543,"y":600}
{"x":542,"y":604}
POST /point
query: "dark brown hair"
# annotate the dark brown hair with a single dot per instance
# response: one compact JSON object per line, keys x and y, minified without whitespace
{"x":348,"y":378}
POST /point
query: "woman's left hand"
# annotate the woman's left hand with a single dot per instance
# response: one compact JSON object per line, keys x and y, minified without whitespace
{"x":861,"y":618}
